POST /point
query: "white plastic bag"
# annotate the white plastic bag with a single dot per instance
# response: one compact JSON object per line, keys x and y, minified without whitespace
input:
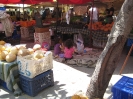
{"x":78,"y":40}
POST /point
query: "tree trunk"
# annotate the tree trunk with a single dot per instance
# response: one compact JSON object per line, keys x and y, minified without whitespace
{"x":109,"y":58}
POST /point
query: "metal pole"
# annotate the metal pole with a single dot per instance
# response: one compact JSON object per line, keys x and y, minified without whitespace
{"x":23,"y":10}
{"x":57,"y":16}
{"x":91,"y":21}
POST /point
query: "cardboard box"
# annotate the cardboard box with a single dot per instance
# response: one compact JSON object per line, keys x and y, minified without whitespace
{"x":41,"y":30}
{"x":30,"y":67}
{"x":39,"y":38}
{"x":24,"y":32}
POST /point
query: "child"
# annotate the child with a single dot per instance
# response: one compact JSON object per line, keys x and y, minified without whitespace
{"x":69,"y":49}
{"x":57,"y":47}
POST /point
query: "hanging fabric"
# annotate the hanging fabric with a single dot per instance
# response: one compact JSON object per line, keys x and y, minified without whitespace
{"x":6,"y":23}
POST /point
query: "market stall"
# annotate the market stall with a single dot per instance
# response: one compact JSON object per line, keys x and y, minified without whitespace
{"x":99,"y":34}
{"x":16,"y":74}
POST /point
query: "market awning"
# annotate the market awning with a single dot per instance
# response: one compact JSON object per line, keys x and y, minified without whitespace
{"x":74,"y":1}
{"x":67,"y":1}
{"x":19,"y":1}
{"x":8,"y":1}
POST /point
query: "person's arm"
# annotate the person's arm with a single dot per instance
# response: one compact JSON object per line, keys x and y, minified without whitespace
{"x":75,"y":49}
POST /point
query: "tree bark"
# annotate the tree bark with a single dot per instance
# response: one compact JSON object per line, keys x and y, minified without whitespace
{"x":109,"y":58}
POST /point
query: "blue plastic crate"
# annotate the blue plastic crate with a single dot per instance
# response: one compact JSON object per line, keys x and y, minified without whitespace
{"x":33,"y":86}
{"x":3,"y":84}
{"x":123,"y":89}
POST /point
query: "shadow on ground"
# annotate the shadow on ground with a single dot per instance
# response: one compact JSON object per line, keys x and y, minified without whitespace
{"x":52,"y":92}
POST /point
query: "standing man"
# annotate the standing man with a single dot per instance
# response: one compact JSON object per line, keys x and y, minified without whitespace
{"x":68,"y":15}
{"x":88,"y":15}
{"x":109,"y":13}
{"x":95,"y":15}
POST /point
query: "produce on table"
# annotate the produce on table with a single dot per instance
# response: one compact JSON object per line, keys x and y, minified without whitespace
{"x":31,"y":50}
{"x":10,"y":57}
{"x":9,"y":53}
{"x":23,"y":52}
{"x":100,"y":26}
{"x":37,"y":47}
{"x":38,"y":55}
{"x":2,"y":42}
{"x":8,"y":49}
{"x":14,"y":50}
{"x":2,"y":48}
{"x":3,"y":55}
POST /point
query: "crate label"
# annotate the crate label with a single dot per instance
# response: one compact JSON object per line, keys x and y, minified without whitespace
{"x":43,"y":85}
{"x":26,"y":71}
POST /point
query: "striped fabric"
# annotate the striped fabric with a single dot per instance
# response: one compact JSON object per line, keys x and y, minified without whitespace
{"x":9,"y":74}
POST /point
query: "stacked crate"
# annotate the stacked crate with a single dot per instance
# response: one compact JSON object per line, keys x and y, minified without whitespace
{"x":123,"y":89}
{"x":35,"y":75}
{"x":42,"y":35}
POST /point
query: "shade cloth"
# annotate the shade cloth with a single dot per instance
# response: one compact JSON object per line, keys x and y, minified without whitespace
{"x":9,"y":74}
{"x":8,"y":1}
{"x":68,"y":1}
{"x":74,"y":1}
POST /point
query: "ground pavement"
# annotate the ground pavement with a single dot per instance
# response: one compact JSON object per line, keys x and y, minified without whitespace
{"x":70,"y":79}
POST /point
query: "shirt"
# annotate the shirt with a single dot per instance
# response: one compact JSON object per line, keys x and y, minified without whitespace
{"x":68,"y":52}
{"x":95,"y":13}
{"x":57,"y":49}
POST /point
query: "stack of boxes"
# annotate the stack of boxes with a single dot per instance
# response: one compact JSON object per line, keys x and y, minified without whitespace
{"x":24,"y":32}
{"x":35,"y":75}
{"x":42,"y":35}
{"x":123,"y":89}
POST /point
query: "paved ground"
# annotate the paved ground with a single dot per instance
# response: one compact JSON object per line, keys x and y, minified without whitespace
{"x":69,"y":80}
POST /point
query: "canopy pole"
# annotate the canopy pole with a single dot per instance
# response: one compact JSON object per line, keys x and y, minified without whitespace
{"x":91,"y":21}
{"x":56,"y":14}
{"x":23,"y":10}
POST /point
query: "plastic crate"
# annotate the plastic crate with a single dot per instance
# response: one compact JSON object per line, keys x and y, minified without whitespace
{"x":123,"y":89}
{"x":3,"y":84}
{"x":33,"y":86}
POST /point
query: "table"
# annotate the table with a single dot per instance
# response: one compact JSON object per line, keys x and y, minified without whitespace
{"x":10,"y":75}
{"x":99,"y":37}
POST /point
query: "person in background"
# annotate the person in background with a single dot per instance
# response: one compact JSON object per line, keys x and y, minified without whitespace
{"x":88,"y":15}
{"x":55,"y":13}
{"x":68,"y":16}
{"x":18,"y":15}
{"x":95,"y":15}
{"x":33,"y":15}
{"x":44,"y":14}
{"x":69,"y":49}
{"x":21,"y":16}
{"x":57,"y":47}
{"x":109,"y":14}
{"x":110,"y":11}
{"x":38,"y":19}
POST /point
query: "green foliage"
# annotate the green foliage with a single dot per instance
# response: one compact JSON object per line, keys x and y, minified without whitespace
{"x":75,"y":18}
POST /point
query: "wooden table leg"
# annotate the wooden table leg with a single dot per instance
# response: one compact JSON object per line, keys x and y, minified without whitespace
{"x":123,"y":66}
